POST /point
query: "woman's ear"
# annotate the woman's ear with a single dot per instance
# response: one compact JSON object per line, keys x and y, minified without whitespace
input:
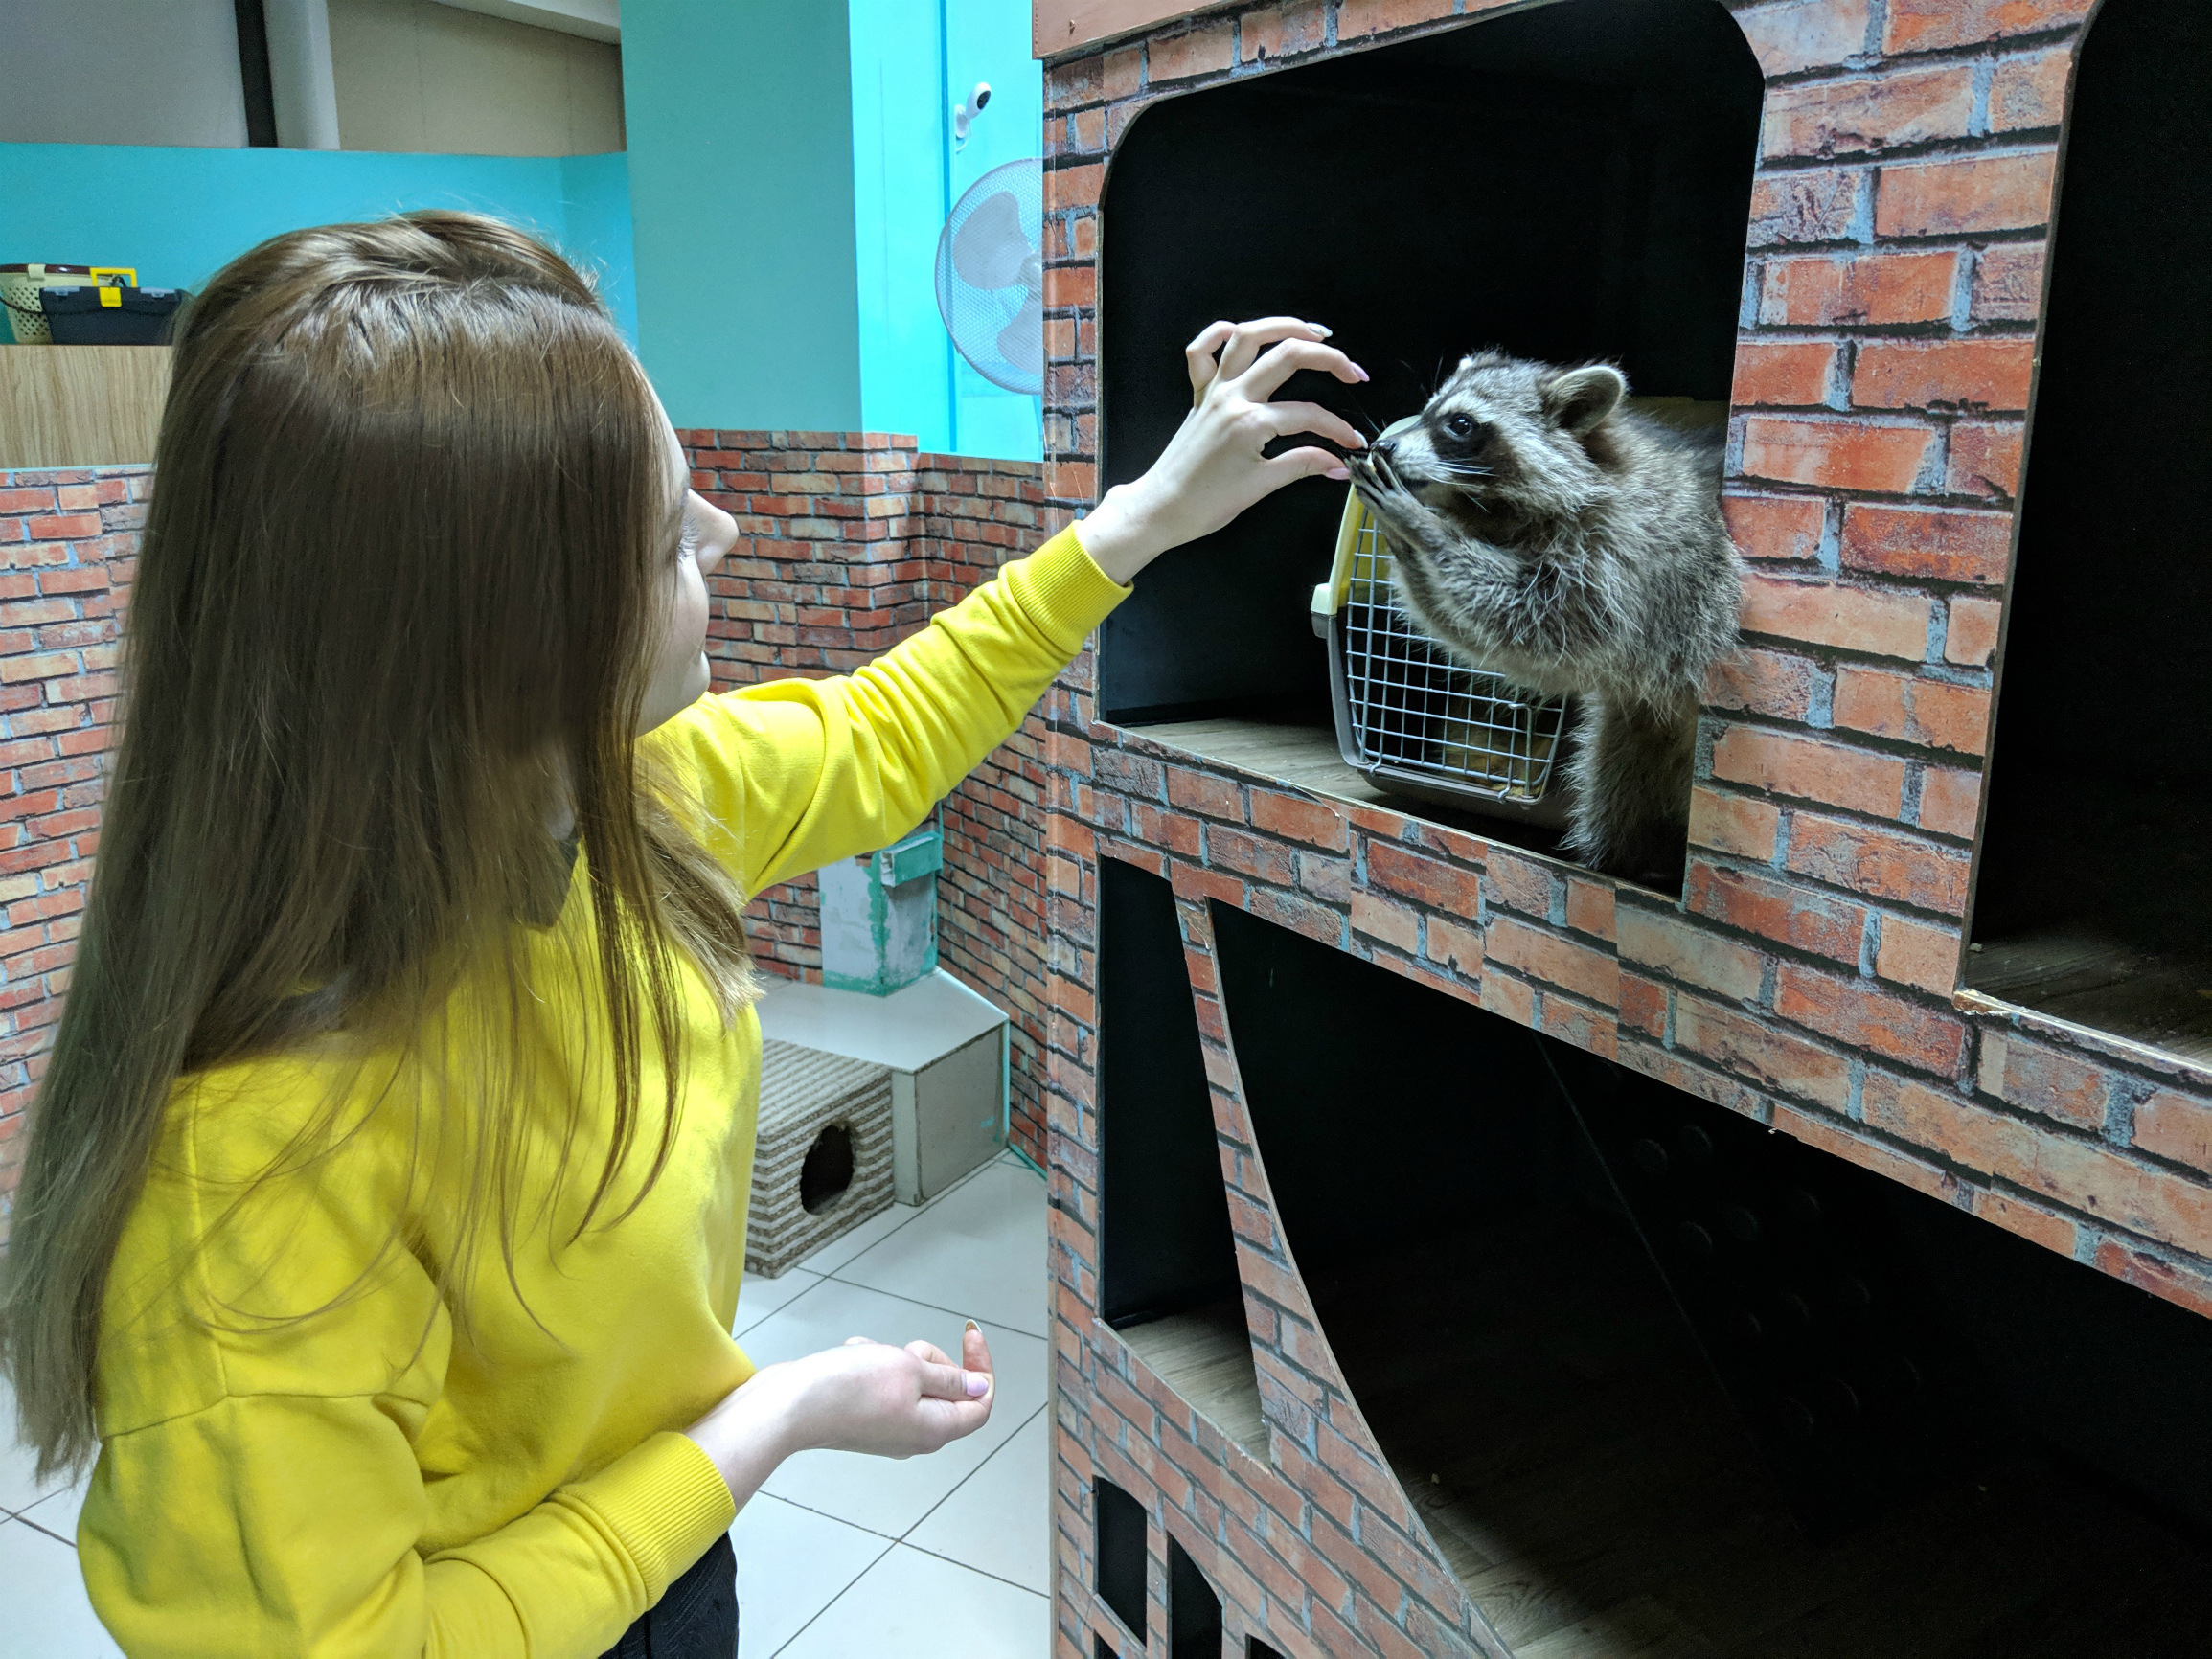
{"x":1581,"y":397}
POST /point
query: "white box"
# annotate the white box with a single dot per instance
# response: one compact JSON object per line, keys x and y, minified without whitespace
{"x":945,"y":1048}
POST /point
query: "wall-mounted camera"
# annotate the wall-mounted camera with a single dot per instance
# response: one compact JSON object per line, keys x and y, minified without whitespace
{"x":964,"y":114}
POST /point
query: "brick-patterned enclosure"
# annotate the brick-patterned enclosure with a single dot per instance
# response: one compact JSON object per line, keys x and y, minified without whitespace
{"x":1874,"y":329}
{"x":850,"y":542}
{"x":67,"y":542}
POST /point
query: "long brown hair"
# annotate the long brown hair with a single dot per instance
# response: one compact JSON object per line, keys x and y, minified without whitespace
{"x":406,"y":565}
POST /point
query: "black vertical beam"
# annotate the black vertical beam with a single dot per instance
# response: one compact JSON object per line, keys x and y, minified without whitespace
{"x":254,"y":74}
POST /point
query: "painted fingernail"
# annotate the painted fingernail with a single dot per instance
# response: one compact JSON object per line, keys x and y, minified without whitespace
{"x":1364,"y":376}
{"x":978,"y":1385}
{"x":1317,"y":329}
{"x":972,"y":1326}
{"x":1338,"y":473}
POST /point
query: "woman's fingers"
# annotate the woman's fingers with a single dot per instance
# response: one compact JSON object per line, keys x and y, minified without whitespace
{"x":1238,"y":344}
{"x":975,"y":1352}
{"x":1247,"y":340}
{"x":1198,"y":356}
{"x":1266,"y":375}
{"x":1284,"y":418}
{"x":948,"y":1382}
{"x":1296,"y":464}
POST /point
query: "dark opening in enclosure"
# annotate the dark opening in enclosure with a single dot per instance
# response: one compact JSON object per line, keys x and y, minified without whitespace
{"x":1101,"y":1648}
{"x":1654,"y":1375}
{"x":1567,"y":182}
{"x":1194,"y":1610}
{"x":826,"y":1172}
{"x":1255,"y":1648}
{"x":1119,"y":1554}
{"x":2093,"y":899}
{"x":1168,"y":1275}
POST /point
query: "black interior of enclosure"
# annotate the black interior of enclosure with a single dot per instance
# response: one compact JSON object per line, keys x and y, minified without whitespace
{"x":2100,"y":809}
{"x":1584,"y":1312}
{"x":1194,"y":1610}
{"x":1119,"y":1552}
{"x":1566,"y":182}
{"x":1164,"y":1213}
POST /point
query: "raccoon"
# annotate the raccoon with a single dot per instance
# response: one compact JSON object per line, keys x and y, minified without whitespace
{"x":1545,"y":533}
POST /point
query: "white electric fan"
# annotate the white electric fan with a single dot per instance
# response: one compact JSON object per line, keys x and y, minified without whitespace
{"x":991,"y":276}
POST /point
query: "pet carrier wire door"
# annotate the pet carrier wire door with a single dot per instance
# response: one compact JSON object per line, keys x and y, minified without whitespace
{"x":1412,"y":719}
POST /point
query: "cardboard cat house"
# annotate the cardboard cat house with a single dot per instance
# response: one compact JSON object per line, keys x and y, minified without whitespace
{"x":1457,"y":1251}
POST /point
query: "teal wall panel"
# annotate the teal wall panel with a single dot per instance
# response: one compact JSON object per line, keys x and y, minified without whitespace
{"x":179,"y":214}
{"x":740,"y":120}
{"x":913,"y":61}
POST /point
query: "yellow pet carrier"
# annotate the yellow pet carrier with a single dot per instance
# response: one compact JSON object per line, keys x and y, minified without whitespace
{"x":1414,"y":720}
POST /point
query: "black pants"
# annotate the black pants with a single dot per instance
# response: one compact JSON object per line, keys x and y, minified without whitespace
{"x":698,"y":1618}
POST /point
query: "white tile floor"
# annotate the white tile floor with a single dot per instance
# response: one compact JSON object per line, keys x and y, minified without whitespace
{"x":842,"y":1557}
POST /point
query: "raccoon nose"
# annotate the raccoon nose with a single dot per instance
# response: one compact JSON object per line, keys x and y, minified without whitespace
{"x":1385,"y":447}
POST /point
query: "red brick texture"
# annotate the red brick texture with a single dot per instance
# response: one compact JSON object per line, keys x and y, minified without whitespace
{"x":1808,"y":975}
{"x":850,"y":542}
{"x":68,"y":543}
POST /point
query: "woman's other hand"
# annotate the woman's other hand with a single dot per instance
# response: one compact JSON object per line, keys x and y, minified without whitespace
{"x":1215,"y":467}
{"x":865,"y":1396}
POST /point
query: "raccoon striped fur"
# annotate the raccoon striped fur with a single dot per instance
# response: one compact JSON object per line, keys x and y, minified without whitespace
{"x":1547,"y":533}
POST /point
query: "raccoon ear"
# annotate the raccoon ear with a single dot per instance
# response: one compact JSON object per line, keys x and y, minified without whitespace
{"x":1581,"y":397}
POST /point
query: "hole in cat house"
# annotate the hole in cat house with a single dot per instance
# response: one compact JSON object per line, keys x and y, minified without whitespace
{"x":1566,"y":182}
{"x":1100,"y":1648}
{"x":2093,"y":899}
{"x":1194,"y":1610}
{"x":826,"y":1171}
{"x":1119,"y":1552}
{"x":1168,"y":1275}
{"x":1255,"y":1648}
{"x":1658,"y":1379}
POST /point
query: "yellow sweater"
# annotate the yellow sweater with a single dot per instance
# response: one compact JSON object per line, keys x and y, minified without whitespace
{"x":350,"y":1484}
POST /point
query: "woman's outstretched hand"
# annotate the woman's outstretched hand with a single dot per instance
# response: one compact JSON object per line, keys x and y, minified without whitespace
{"x":1214,"y":467}
{"x":865,"y":1396}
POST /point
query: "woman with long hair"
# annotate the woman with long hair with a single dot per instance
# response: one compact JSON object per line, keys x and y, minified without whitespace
{"x":385,"y":1206}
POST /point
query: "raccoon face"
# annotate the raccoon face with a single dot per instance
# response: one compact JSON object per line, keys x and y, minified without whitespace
{"x":1504,"y":434}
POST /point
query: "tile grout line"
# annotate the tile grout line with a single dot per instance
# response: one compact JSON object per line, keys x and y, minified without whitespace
{"x":24,"y":1516}
{"x":919,"y":1210}
{"x":889,"y":1544}
{"x":974,"y":1473}
{"x":970,"y":1567}
{"x":936,"y":1306}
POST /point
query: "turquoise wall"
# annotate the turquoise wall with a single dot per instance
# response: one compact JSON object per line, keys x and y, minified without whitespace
{"x":180,"y":214}
{"x":739,"y":123}
{"x":912,"y":62}
{"x":768,"y":240}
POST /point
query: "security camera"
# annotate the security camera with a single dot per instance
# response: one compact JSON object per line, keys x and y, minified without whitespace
{"x":964,"y":113}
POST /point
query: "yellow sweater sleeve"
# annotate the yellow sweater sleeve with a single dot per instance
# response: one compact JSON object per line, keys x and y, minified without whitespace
{"x":795,"y":774}
{"x":260,"y":1488}
{"x":287,"y":1526}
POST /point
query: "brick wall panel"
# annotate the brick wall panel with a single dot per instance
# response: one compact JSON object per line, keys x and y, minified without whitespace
{"x":1894,"y":279}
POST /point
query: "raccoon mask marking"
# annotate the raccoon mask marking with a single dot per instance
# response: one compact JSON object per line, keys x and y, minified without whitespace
{"x":1547,"y":533}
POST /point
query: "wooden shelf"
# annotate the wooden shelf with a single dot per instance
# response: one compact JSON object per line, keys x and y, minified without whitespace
{"x":2162,"y":999}
{"x":1205,"y":1356}
{"x":80,"y":405}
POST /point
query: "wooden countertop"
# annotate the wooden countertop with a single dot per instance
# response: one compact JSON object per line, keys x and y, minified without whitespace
{"x":80,"y":405}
